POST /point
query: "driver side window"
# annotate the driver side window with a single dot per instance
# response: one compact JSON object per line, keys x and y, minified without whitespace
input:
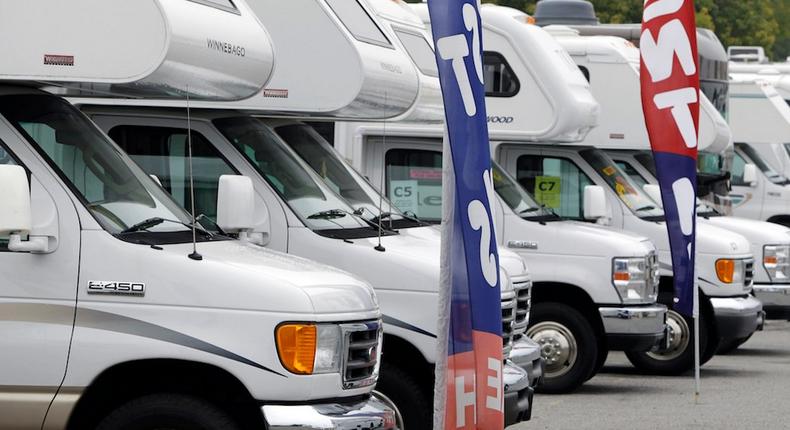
{"x":5,"y":159}
{"x":163,"y":152}
{"x":738,"y":164}
{"x":554,"y":182}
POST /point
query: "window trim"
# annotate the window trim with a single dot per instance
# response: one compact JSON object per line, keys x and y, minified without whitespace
{"x":234,"y":10}
{"x":388,"y":44}
{"x":508,"y":67}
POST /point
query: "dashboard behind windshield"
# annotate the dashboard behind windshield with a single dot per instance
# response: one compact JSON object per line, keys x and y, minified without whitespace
{"x":116,"y":192}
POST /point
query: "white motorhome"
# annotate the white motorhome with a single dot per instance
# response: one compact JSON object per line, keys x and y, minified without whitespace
{"x":296,"y":212}
{"x":580,"y":314}
{"x":724,"y":259}
{"x":111,"y":317}
{"x":760,"y":121}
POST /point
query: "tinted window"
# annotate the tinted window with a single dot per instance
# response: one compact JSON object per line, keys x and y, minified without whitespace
{"x":414,"y":182}
{"x":736,"y":176}
{"x":358,"y":22}
{"x":500,"y":80}
{"x":420,"y":52}
{"x":761,"y":164}
{"x":632,"y":173}
{"x":555,"y":182}
{"x":163,"y":152}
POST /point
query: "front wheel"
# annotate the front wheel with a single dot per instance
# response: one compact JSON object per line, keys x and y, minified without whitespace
{"x":168,"y":411}
{"x":679,"y":356}
{"x":568,"y":345}
{"x":413,"y":402}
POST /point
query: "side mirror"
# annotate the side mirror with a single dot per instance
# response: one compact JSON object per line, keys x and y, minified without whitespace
{"x":236,"y":205}
{"x":594,"y":202}
{"x":16,"y":217}
{"x":654,"y":192}
{"x":750,"y":175}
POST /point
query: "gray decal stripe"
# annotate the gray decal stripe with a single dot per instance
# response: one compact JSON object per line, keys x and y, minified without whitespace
{"x":100,"y":320}
{"x":404,"y":325}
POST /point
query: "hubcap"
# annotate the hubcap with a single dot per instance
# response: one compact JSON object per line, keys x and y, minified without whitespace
{"x":679,"y":338}
{"x":557,"y":347}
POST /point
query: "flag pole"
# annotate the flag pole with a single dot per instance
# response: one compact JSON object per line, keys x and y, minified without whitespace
{"x":696,"y":341}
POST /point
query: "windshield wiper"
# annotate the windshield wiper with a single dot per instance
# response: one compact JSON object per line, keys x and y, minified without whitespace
{"x":645,"y":208}
{"x":155,"y":221}
{"x":328,"y":214}
{"x":388,"y":215}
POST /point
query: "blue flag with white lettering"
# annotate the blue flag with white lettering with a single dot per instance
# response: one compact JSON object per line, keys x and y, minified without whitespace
{"x":469,"y":391}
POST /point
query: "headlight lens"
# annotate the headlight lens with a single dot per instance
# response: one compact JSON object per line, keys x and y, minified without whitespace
{"x":307,"y":349}
{"x":776,"y":260}
{"x":636,"y":279}
{"x":730,"y":271}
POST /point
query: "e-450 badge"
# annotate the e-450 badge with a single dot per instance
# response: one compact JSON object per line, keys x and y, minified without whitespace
{"x":118,"y":288}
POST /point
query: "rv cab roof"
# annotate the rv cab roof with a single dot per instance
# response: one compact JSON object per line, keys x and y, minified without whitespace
{"x":613,"y":67}
{"x":217,"y":52}
{"x":534,"y":91}
{"x":407,"y":31}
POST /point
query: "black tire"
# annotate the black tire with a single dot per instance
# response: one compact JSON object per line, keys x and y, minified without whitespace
{"x":167,"y":411}
{"x":603,"y":354}
{"x":729,"y":346}
{"x":680,"y":357}
{"x":411,"y":399}
{"x":569,"y":346}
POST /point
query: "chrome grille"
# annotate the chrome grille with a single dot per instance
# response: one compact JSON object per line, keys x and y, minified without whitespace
{"x":523,"y":304}
{"x":653,"y":275}
{"x":508,"y":320}
{"x":362,"y":351}
{"x":748,"y":274}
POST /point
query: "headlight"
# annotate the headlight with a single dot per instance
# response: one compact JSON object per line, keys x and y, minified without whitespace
{"x":308,"y":349}
{"x":730,"y":271}
{"x":636,"y":279}
{"x":776,"y":260}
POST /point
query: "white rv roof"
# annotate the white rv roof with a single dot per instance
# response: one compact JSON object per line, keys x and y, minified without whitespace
{"x":549,"y":99}
{"x":141,"y":48}
{"x":333,"y":61}
{"x":758,"y":113}
{"x":613,"y":65}
{"x":406,"y":29}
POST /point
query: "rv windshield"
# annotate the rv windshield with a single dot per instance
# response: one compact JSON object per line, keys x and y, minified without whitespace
{"x":517,"y":199}
{"x":313,"y":202}
{"x":763,"y":165}
{"x":341,"y":177}
{"x":123,"y":199}
{"x":626,"y":189}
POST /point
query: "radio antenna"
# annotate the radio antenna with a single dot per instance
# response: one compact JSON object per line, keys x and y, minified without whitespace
{"x":379,"y":247}
{"x":194,"y":255}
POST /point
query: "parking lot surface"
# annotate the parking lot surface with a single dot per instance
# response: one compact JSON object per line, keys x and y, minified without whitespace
{"x":748,"y":388}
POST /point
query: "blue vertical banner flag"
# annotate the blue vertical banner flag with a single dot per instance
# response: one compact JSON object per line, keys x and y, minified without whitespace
{"x":670,"y":99}
{"x":469,"y":389}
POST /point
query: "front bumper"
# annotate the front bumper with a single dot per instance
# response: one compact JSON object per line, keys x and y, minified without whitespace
{"x":518,"y":394}
{"x":634,"y":328}
{"x":737,"y":317}
{"x":775,"y":299}
{"x":526,"y":355}
{"x":371,"y":413}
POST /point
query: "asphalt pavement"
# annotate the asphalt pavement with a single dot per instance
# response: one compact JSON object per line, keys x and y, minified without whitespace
{"x":746,"y":389}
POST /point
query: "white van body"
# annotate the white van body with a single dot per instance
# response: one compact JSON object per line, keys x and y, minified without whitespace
{"x":99,"y":294}
{"x":366,"y":146}
{"x":281,"y":224}
{"x":730,"y":307}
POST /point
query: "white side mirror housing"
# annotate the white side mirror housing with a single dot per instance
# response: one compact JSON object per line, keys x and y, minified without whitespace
{"x":654,"y":192}
{"x":750,"y":175}
{"x":594,"y":202}
{"x":236,"y":205}
{"x":15,"y":212}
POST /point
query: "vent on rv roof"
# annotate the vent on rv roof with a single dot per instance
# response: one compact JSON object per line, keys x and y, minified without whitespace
{"x":569,"y":12}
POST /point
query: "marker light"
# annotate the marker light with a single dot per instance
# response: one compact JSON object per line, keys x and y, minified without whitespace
{"x":296,"y":344}
{"x":725,"y":270}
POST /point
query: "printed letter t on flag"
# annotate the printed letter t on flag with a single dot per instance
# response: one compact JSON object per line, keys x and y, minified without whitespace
{"x":670,"y":100}
{"x":469,"y":392}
